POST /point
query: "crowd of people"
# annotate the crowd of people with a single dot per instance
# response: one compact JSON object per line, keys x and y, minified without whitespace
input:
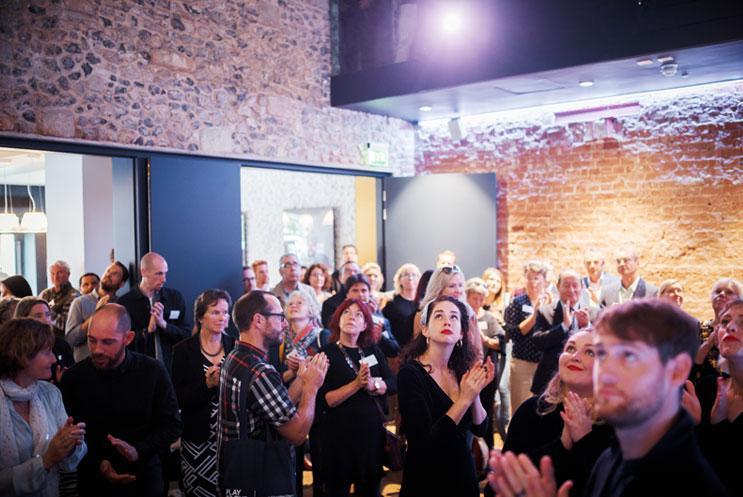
{"x":598,"y":385}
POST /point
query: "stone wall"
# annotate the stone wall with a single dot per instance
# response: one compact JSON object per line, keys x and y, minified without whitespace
{"x":230,"y":77}
{"x":668,"y":180}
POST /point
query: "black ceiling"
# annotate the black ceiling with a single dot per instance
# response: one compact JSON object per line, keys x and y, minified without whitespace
{"x":544,"y":66}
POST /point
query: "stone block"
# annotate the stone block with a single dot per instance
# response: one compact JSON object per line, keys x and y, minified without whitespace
{"x":170,"y":59}
{"x":217,"y":139}
{"x":56,"y":122}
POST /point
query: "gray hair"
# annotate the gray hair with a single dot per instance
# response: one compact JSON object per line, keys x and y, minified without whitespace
{"x":536,"y":266}
{"x":311,"y":303}
{"x":60,"y":263}
{"x":397,"y":279}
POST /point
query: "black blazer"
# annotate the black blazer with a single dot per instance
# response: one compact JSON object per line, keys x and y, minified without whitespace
{"x":194,"y":398}
{"x":549,"y":337}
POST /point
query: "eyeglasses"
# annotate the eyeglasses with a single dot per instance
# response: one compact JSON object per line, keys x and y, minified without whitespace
{"x":450,"y":269}
{"x":287,"y":265}
{"x":277,"y":314}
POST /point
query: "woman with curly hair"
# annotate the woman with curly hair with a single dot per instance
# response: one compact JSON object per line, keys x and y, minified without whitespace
{"x":560,"y":422}
{"x":439,"y":397}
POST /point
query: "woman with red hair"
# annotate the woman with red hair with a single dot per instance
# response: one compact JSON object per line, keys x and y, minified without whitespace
{"x":350,"y":442}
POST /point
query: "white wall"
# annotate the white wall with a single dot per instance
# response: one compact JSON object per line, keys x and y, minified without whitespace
{"x":266,"y":193}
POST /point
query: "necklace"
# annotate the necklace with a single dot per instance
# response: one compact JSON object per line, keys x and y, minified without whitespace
{"x":221,"y":349}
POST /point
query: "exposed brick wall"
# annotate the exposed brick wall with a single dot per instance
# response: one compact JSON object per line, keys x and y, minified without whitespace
{"x":239,"y":77}
{"x":668,"y":181}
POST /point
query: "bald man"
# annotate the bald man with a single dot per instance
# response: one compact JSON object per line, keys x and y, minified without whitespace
{"x":158,"y":313}
{"x":129,"y":407}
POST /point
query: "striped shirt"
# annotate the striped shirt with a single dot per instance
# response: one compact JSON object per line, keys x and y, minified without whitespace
{"x":266,"y":397}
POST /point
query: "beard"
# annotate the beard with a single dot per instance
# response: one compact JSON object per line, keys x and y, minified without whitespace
{"x":108,"y":286}
{"x":104,"y":362}
{"x":627,"y":412}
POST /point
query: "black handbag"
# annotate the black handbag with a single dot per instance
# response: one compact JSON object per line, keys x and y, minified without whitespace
{"x":254,"y":467}
{"x":394,"y":450}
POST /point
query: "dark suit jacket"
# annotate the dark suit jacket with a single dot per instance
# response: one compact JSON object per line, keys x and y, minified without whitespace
{"x":610,"y":295}
{"x":549,"y":337}
{"x":194,"y":398}
{"x":177,"y":327}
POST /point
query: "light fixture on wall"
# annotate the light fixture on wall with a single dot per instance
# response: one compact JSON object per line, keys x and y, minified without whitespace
{"x":8,"y":220}
{"x":33,"y":221}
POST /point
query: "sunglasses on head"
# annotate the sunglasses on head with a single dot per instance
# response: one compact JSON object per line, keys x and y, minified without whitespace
{"x":450,"y":269}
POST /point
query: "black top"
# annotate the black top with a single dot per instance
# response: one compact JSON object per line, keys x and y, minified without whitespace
{"x":549,"y":338}
{"x":330,"y":305}
{"x":538,"y":435}
{"x":718,"y":440}
{"x":134,"y":402}
{"x":439,"y":461}
{"x":351,"y":433}
{"x":400,"y":312}
{"x":674,"y":466}
{"x":174,"y":313}
{"x":523,"y":345}
{"x":194,"y":398}
{"x":63,"y":352}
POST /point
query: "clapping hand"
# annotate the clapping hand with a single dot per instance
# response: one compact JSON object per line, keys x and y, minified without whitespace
{"x":576,"y":417}
{"x":363,"y":377}
{"x":582,"y":317}
{"x":476,"y":378}
{"x":313,"y":371}
{"x":211,"y":376}
{"x":110,"y":474}
{"x":127,"y":451}
{"x":690,"y":402}
{"x":513,"y":476}
{"x":68,"y":437}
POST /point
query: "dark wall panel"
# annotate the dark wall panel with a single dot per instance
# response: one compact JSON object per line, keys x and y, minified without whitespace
{"x":195,"y":223}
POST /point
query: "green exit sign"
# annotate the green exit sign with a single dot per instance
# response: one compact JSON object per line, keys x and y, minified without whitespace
{"x":377,"y":154}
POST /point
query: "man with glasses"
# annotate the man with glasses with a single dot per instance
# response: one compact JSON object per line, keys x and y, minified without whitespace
{"x":289,"y":269}
{"x":630,"y":286}
{"x":252,"y":395}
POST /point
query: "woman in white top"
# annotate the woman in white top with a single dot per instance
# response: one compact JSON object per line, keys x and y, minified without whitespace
{"x":37,"y":438}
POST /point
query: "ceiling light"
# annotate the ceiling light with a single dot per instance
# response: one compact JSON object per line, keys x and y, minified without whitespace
{"x":669,"y":69}
{"x":666,"y":58}
{"x":451,"y":22}
{"x":425,"y":108}
{"x":644,"y":62}
{"x":34,"y":222}
{"x":586,"y":83}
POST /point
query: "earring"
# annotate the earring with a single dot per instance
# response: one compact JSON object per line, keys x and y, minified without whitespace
{"x":459,"y":343}
{"x":428,"y":340}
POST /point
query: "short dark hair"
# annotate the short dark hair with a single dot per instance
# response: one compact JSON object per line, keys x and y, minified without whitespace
{"x":20,"y":340}
{"x":23,"y":309}
{"x":655,"y":322}
{"x":206,"y":299}
{"x":80,"y":281}
{"x":357,"y":278}
{"x":328,"y":278}
{"x":462,"y":356}
{"x":367,"y":338}
{"x":248,"y":306}
{"x":124,"y":271}
{"x":123,"y":321}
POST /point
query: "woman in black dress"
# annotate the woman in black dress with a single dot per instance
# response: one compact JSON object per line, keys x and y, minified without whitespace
{"x":351,"y":426}
{"x":560,"y":423}
{"x":195,"y":374}
{"x":439,"y":388}
{"x":721,"y":399}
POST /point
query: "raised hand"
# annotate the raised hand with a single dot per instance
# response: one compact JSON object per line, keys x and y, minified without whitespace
{"x":690,"y":402}
{"x":127,"y":451}
{"x":576,"y":417}
{"x":108,"y":472}
{"x":293,"y":361}
{"x":475,"y":379}
{"x":363,"y":377}
{"x":583,"y":317}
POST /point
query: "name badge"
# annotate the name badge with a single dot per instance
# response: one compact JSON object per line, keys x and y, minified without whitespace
{"x":483,"y":325}
{"x":527,"y":309}
{"x":370,"y":360}
{"x":174,"y":314}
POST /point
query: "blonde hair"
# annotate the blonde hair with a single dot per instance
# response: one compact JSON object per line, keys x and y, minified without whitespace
{"x":397,"y":279}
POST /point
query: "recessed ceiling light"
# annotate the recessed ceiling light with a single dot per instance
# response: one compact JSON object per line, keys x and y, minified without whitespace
{"x":644,"y":62}
{"x":425,"y":108}
{"x":666,"y":58}
{"x":586,"y":83}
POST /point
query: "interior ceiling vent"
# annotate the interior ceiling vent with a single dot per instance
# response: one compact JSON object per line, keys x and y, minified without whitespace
{"x":525,"y":86}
